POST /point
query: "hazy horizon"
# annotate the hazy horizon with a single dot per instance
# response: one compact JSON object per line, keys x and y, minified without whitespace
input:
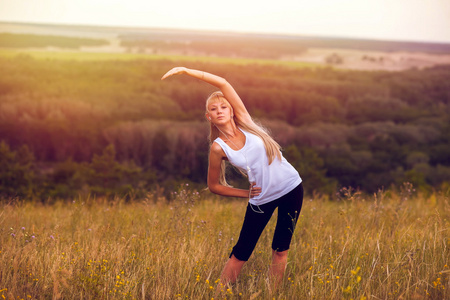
{"x":224,"y":32}
{"x":391,"y":20}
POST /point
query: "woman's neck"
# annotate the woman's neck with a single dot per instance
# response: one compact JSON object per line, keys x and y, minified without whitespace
{"x":228,"y":131}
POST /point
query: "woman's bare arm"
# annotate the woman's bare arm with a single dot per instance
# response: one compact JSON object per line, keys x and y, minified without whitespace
{"x":216,"y":152}
{"x":215,"y":159}
{"x":221,"y":83}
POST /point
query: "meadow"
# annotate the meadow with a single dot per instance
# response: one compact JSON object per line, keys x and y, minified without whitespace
{"x":390,"y":245}
{"x":102,"y":175}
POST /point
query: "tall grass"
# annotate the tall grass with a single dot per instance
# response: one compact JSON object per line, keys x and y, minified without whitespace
{"x":392,"y":245}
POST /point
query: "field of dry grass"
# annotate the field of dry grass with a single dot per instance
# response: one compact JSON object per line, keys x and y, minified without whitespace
{"x":392,"y":245}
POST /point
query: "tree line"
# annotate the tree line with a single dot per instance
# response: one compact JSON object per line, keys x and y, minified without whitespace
{"x":60,"y":120}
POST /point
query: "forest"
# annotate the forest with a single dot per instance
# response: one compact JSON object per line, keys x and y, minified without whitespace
{"x":111,"y":127}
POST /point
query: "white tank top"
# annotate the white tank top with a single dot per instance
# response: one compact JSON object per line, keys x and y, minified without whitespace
{"x":275,"y":180}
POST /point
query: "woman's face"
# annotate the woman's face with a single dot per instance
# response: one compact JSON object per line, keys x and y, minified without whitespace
{"x":219,"y":112}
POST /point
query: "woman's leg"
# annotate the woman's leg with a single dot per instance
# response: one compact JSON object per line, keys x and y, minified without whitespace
{"x":231,"y":270}
{"x":276,"y":271}
{"x":252,"y":228}
{"x":288,"y":212}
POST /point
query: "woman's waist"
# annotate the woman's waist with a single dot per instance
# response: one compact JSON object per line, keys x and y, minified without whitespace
{"x":273,"y":189}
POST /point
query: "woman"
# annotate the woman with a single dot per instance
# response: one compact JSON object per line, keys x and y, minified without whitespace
{"x":274,"y":183}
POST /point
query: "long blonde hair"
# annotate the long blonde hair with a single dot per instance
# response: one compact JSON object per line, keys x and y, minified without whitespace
{"x":273,"y":149}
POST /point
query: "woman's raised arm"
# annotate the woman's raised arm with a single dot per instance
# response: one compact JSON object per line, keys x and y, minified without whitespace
{"x":221,"y":83}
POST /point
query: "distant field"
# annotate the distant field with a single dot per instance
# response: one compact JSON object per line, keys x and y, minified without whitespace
{"x":355,"y":54}
{"x":162,"y":37}
{"x":394,"y":245}
{"x":97,"y":56}
{"x":10,"y":40}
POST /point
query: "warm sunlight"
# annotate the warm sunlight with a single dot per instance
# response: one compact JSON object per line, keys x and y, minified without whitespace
{"x":121,"y":179}
{"x":380,"y":19}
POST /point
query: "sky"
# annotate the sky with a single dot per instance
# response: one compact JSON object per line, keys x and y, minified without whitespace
{"x":405,"y":20}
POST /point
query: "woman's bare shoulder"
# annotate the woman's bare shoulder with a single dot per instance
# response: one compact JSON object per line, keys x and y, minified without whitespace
{"x":217,"y":150}
{"x":215,"y":147}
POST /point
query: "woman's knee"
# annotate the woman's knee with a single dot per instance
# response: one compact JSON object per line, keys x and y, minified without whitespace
{"x":280,"y":254}
{"x":236,"y":261}
{"x":233,"y":257}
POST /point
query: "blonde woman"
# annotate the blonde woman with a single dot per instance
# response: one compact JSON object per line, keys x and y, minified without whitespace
{"x":273,"y":182}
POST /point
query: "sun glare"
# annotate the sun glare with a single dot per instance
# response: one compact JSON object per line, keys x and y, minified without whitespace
{"x":391,"y":19}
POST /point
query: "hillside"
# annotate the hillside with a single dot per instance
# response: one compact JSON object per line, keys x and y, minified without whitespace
{"x":106,"y":126}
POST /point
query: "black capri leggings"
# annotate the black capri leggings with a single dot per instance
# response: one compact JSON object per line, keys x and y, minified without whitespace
{"x":289,"y":207}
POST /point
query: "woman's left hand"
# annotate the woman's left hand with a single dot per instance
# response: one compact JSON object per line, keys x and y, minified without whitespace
{"x":254,"y":190}
{"x":174,"y":71}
